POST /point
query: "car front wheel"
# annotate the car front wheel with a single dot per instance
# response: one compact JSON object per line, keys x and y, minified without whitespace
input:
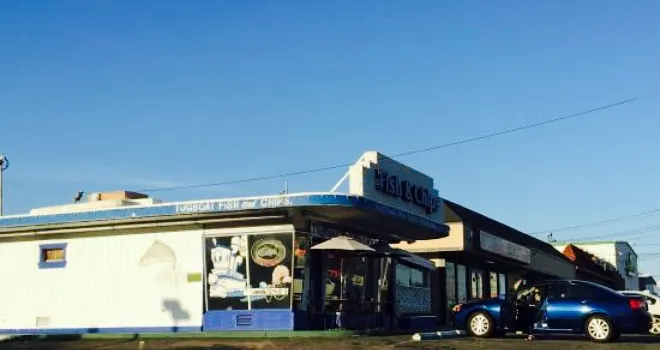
{"x":481,"y":325}
{"x":655,"y":326}
{"x":599,"y":329}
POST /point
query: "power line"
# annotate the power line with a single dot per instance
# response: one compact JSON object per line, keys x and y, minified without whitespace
{"x":616,"y":220}
{"x":628,"y":233}
{"x":19,"y":189}
{"x":433,"y":148}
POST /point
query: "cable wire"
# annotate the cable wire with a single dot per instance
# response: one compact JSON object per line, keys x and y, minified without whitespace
{"x":627,"y":233}
{"x":19,"y":189}
{"x":616,"y":220}
{"x":433,"y":148}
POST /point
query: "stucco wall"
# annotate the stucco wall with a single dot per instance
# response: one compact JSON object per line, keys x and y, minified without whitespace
{"x":121,"y":281}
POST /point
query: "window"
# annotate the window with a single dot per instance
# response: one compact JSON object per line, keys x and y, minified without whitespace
{"x":534,"y":294}
{"x":501,"y":281}
{"x":477,"y":278}
{"x":493,"y":285}
{"x":417,"y":278}
{"x":407,"y":276}
{"x":461,"y":283}
{"x":52,"y":256}
{"x":450,"y":274}
{"x":247,"y":271}
{"x":577,"y":291}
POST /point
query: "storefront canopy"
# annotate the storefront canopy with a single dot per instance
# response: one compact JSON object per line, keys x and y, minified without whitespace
{"x":387,"y":222}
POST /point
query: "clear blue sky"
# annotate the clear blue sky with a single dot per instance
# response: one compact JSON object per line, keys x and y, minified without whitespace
{"x":140,"y":94}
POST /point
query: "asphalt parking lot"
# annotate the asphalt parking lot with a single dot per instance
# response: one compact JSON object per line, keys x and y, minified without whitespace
{"x":356,"y":342}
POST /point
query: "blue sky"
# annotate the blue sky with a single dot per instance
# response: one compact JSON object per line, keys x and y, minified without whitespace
{"x":142,"y":94}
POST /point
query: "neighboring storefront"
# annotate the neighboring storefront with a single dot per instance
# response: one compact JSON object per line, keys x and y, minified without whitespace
{"x":648,"y":283}
{"x":618,"y":253}
{"x":482,"y":258}
{"x":589,"y":267}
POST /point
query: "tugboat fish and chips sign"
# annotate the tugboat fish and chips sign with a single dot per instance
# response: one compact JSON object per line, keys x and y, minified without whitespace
{"x":268,"y":252}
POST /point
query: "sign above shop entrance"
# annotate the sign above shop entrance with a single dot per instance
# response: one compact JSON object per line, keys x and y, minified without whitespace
{"x":387,"y":181}
{"x":499,"y":246}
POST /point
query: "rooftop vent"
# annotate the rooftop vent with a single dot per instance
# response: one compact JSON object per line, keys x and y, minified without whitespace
{"x":104,"y":196}
{"x":98,"y":201}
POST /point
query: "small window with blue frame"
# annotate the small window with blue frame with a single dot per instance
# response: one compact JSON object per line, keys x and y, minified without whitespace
{"x":52,"y":256}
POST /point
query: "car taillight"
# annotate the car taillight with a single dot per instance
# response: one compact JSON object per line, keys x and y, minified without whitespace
{"x":636,"y":304}
{"x":456,"y":308}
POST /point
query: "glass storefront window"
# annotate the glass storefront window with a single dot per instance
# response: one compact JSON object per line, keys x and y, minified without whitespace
{"x":450,"y":285}
{"x":477,"y":278}
{"x":333,"y":281}
{"x":417,"y":278}
{"x":300,"y":285}
{"x":355,"y":270}
{"x":493,"y":285}
{"x":246,"y":271}
{"x":407,"y":276}
{"x":402,"y":275}
{"x":501,"y":280}
{"x":461,"y":283}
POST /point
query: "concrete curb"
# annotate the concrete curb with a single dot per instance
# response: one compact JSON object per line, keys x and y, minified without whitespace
{"x":438,"y":335}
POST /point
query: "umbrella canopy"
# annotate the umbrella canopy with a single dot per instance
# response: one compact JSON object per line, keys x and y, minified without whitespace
{"x":342,"y":243}
{"x":383,"y":249}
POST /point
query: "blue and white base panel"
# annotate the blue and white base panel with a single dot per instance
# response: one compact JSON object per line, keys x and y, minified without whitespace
{"x":213,"y":321}
{"x":110,"y":330}
{"x":252,"y":320}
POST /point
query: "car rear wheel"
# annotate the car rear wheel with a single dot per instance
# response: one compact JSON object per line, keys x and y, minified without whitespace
{"x":655,"y":326}
{"x":599,"y":329}
{"x":481,"y":325}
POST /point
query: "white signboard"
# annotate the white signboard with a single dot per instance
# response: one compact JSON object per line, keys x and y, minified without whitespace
{"x":387,"y":181}
{"x":505,"y":248}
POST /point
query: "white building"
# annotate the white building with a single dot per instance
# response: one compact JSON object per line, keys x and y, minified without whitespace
{"x":123,"y":263}
{"x":618,"y":253}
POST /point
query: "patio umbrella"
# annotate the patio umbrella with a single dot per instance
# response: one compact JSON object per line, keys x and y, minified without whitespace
{"x":342,"y":243}
{"x":383,"y":249}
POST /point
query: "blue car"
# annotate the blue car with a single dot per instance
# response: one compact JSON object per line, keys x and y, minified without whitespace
{"x":568,"y":307}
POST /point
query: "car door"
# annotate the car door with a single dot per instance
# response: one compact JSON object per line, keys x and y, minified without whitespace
{"x":566,"y":306}
{"x":527,"y":303}
{"x":508,"y":312}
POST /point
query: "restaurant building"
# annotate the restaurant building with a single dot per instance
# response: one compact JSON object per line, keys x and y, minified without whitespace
{"x":123,"y":262}
{"x":482,"y":258}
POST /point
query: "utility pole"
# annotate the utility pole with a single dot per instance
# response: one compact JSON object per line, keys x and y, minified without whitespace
{"x":4,"y":164}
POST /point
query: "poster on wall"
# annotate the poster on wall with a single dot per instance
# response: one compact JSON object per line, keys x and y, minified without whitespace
{"x":271,"y":259}
{"x":226,"y":272}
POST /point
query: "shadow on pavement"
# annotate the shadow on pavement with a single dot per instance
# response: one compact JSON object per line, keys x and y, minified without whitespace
{"x":638,"y":339}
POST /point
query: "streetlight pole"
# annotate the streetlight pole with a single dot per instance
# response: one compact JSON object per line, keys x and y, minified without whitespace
{"x":4,"y":164}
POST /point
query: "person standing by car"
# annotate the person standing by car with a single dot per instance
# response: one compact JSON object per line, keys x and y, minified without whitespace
{"x":529,"y":307}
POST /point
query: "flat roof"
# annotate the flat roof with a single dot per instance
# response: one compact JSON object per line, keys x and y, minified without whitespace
{"x":178,"y":210}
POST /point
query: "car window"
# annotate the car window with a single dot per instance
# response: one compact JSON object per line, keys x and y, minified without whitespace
{"x":577,"y":291}
{"x":533,"y":294}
